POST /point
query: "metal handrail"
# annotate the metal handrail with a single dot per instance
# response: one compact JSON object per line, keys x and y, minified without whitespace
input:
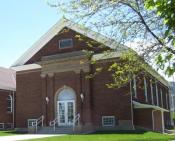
{"x":37,"y":122}
{"x":76,"y":120}
{"x":53,"y":123}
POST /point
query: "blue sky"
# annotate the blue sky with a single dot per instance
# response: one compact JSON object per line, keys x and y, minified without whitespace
{"x":22,"y":22}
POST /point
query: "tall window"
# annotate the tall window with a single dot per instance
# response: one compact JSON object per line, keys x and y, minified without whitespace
{"x":167,"y":101}
{"x":9,"y":104}
{"x":133,"y":87}
{"x":157,"y":96}
{"x":152,"y":97}
{"x":161,"y":94}
{"x":145,"y":88}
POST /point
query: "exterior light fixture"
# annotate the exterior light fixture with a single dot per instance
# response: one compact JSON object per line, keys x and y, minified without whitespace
{"x":82,"y":97}
{"x":47,"y":100}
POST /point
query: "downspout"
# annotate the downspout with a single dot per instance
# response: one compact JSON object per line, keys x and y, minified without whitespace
{"x":163,"y":126}
{"x":132,"y":115}
{"x":13,"y":109}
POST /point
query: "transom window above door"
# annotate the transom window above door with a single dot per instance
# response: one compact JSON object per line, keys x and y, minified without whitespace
{"x":65,"y":43}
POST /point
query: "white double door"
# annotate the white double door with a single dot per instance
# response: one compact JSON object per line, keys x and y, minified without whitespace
{"x":66,"y":112}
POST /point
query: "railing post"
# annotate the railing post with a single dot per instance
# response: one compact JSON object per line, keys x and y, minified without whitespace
{"x":42,"y":120}
{"x":54,"y":127}
{"x":36,"y":124}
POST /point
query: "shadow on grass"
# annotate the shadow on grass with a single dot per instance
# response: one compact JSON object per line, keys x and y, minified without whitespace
{"x":121,"y":132}
{"x":14,"y":132}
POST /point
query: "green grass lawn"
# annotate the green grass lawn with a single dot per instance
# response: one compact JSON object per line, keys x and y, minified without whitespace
{"x":120,"y":136}
{"x":8,"y":133}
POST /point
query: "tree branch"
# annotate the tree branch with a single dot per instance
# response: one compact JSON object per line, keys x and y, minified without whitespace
{"x":147,"y":27}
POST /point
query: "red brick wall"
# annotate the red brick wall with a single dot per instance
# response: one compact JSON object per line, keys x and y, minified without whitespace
{"x":28,"y":97}
{"x":157,"y":121}
{"x":5,"y":117}
{"x":70,"y":79}
{"x":52,"y":47}
{"x":109,"y":102}
{"x":99,"y":100}
{"x":143,"y":118}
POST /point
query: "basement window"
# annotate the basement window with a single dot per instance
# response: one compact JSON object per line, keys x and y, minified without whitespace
{"x":65,"y":43}
{"x":108,"y":121}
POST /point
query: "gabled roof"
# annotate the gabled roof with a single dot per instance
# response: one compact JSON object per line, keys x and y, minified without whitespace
{"x":55,"y":30}
{"x":79,"y":29}
{"x":7,"y":79}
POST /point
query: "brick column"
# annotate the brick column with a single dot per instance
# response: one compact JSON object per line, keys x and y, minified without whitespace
{"x":44,"y":93}
{"x":50,"y":95}
{"x":87,"y":109}
{"x":79,"y":103}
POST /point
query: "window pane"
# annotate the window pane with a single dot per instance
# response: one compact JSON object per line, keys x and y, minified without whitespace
{"x":65,"y":43}
{"x":108,"y":121}
{"x":9,"y":104}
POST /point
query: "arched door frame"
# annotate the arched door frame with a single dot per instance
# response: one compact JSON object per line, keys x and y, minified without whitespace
{"x":58,"y":92}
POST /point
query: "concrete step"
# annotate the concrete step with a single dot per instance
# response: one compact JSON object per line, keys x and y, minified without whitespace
{"x":58,"y":130}
{"x":169,"y":131}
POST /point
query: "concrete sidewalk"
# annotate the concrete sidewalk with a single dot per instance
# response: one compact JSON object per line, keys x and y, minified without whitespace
{"x":25,"y":137}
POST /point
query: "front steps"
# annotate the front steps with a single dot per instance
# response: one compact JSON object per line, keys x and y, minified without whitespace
{"x":58,"y":130}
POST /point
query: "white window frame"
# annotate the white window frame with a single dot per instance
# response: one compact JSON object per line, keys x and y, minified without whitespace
{"x":145,"y":90}
{"x":65,"y":40}
{"x":10,"y":98}
{"x":2,"y":126}
{"x":152,"y":97}
{"x":111,"y":125}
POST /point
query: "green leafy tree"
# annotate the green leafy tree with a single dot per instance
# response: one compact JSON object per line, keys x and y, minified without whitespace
{"x":145,"y":24}
{"x":166,"y":10}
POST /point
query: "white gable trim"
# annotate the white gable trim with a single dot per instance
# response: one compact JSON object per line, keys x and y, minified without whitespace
{"x":55,"y":30}
{"x":26,"y":67}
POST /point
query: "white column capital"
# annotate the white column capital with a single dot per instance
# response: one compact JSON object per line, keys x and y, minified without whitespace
{"x":50,"y":75}
{"x":43,"y":75}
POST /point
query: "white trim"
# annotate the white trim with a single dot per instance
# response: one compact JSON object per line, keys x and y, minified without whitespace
{"x":161,"y":94}
{"x":153,"y":119}
{"x":112,"y":125}
{"x":138,"y":105}
{"x":163,"y":126}
{"x":166,"y":100}
{"x":157,"y":95}
{"x":26,"y":67}
{"x":56,"y":29}
{"x":3,"y":125}
{"x":145,"y":89}
{"x":65,"y":112}
{"x":132,"y":114}
{"x":135,"y":86}
{"x":152,"y":96}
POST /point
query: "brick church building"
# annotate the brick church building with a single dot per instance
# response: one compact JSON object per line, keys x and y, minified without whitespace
{"x":7,"y":96}
{"x":52,"y":90}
